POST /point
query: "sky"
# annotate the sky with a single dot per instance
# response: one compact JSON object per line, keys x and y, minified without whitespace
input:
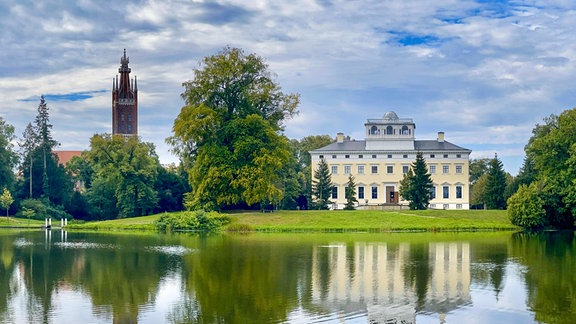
{"x":485,"y":72}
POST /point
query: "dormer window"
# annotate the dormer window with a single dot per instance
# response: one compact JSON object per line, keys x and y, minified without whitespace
{"x":405,"y":130}
{"x":374,"y":130}
{"x":389,"y":130}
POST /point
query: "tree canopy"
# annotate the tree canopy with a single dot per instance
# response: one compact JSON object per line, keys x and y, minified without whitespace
{"x":416,"y":185}
{"x":8,"y":158}
{"x":551,"y":152}
{"x":495,"y":185}
{"x":125,"y":171}
{"x":228,"y":134}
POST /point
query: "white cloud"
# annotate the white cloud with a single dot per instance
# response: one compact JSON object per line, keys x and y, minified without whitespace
{"x":484,"y":74}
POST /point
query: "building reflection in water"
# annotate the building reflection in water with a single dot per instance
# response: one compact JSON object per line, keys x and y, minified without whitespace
{"x":372,"y":278}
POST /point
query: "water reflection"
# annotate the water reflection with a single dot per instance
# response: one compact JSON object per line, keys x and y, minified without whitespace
{"x":55,"y":276}
{"x":392,"y":282}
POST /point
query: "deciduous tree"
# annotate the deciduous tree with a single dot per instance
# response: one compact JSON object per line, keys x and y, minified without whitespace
{"x":6,"y":200}
{"x":125,"y":171}
{"x":8,"y":158}
{"x":229,"y":132}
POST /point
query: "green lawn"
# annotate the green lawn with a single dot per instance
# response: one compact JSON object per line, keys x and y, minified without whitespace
{"x":340,"y":221}
{"x":20,"y":222}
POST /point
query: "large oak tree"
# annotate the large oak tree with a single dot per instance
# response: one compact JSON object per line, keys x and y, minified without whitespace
{"x":229,"y":133}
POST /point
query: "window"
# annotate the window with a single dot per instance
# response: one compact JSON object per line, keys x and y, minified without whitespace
{"x":446,"y":206}
{"x":432,"y":156}
{"x":129,"y":128}
{"x":458,"y":206}
{"x":459,"y":192}
{"x":360,"y":169}
{"x":445,"y":192}
{"x":405,"y":169}
{"x":389,"y":156}
{"x":389,"y":169}
{"x":347,"y":156}
{"x":360,"y":192}
{"x":405,"y":156}
{"x":334,"y":169}
{"x":373,"y":156}
{"x":122,"y":117}
{"x":458,"y":155}
{"x":433,"y":192}
{"x":333,"y":156}
{"x":129,"y":117}
{"x":405,"y":130}
{"x":321,"y":156}
{"x":389,"y":130}
{"x":445,"y":156}
{"x":374,"y":169}
{"x":334,"y":192}
{"x":374,"y":192}
{"x":346,"y":169}
{"x":445,"y":169}
{"x":432,"y":169}
{"x":458,"y":169}
{"x":374,"y":130}
{"x":360,"y":156}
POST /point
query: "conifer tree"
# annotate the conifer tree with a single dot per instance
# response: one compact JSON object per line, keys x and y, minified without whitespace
{"x":322,"y":185}
{"x":416,"y":185}
{"x":350,"y":193}
{"x":496,"y":185}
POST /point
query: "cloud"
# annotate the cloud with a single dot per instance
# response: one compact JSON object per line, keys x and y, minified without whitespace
{"x":482,"y":71}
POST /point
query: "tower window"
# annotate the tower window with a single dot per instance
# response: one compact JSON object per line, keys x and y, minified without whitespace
{"x":389,"y":130}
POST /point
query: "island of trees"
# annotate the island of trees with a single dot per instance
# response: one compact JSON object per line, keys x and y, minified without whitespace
{"x":234,"y":155}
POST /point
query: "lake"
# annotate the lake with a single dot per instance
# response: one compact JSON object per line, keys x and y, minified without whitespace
{"x":482,"y":277}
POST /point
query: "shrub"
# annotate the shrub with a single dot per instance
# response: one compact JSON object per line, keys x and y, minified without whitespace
{"x":526,"y":208}
{"x":42,"y":209}
{"x":198,"y":220}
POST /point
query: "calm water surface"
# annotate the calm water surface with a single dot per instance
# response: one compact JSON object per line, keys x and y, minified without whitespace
{"x":59,"y":277}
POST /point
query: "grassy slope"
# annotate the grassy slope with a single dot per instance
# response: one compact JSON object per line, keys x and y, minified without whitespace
{"x":372,"y":221}
{"x":20,"y":222}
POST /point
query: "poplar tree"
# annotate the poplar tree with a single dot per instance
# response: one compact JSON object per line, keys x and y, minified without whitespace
{"x":322,"y":185}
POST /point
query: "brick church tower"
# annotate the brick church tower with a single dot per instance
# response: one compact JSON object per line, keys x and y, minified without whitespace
{"x":124,"y":101}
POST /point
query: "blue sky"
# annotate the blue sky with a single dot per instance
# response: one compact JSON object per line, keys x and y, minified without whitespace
{"x":484,"y":72}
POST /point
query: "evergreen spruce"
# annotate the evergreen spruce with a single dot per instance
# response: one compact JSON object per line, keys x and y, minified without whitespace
{"x":350,"y":193}
{"x":416,"y":185}
{"x":496,"y":185}
{"x":322,"y":185}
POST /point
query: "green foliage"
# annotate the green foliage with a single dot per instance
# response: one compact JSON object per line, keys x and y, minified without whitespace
{"x":478,"y":168}
{"x":8,"y":158}
{"x":322,"y":185}
{"x":495,"y":185}
{"x":553,"y":150}
{"x":41,"y":209}
{"x":526,"y":208}
{"x":416,"y":185}
{"x":350,"y":193}
{"x":125,"y":171}
{"x":198,"y":220}
{"x":6,"y":200}
{"x":227,"y":134}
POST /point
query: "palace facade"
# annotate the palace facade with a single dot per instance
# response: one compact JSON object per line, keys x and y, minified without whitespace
{"x":379,"y":163}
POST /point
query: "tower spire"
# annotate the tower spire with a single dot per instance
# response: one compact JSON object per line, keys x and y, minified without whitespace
{"x":125,"y":101}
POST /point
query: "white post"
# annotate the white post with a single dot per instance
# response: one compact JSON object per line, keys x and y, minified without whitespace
{"x":50,"y":222}
{"x":46,"y":221}
{"x":65,"y":221}
{"x":61,"y":222}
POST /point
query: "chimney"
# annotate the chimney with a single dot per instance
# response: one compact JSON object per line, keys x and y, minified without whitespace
{"x":340,"y":138}
{"x":440,"y":137}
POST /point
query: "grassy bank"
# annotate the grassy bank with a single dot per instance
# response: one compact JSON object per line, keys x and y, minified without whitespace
{"x":339,"y":221}
{"x":12,"y":222}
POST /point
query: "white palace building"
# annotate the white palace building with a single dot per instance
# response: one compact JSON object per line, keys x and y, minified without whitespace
{"x":379,"y":163}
